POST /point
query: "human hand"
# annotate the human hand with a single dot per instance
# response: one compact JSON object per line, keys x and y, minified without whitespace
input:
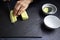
{"x":21,"y":6}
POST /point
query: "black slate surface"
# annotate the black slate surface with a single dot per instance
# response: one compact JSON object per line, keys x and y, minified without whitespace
{"x":33,"y":27}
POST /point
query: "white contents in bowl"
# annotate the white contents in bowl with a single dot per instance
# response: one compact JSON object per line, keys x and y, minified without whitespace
{"x":52,"y":21}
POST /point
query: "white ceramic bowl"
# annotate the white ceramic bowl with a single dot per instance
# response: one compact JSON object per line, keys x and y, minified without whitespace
{"x":53,"y":7}
{"x":52,"y":21}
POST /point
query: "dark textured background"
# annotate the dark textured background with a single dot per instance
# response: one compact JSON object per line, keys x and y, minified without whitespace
{"x":33,"y":27}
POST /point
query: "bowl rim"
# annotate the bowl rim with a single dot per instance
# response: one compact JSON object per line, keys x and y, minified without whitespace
{"x":52,"y":5}
{"x":49,"y":26}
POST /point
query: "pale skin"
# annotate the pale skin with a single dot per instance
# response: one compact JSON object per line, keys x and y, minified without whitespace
{"x":21,"y":6}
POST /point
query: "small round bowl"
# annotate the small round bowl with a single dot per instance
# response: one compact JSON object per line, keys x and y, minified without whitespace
{"x":51,"y":7}
{"x":52,"y":21}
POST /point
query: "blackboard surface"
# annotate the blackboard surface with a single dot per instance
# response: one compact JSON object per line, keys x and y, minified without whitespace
{"x":33,"y":27}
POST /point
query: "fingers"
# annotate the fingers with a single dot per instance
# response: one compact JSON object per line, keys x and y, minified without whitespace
{"x":20,"y":10}
{"x":23,"y":8}
{"x":16,"y":8}
{"x":20,"y":7}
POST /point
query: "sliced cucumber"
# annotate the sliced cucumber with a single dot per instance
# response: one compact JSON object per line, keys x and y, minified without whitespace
{"x":46,"y":9}
{"x":12,"y":17}
{"x":24,"y":15}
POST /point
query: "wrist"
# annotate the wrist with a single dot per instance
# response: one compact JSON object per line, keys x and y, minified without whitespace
{"x":29,"y":1}
{"x":26,"y":1}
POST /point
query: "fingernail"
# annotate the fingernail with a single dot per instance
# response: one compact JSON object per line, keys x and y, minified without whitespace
{"x":18,"y":13}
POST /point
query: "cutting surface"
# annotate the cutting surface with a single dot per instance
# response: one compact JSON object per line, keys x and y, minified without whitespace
{"x":32,"y":27}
